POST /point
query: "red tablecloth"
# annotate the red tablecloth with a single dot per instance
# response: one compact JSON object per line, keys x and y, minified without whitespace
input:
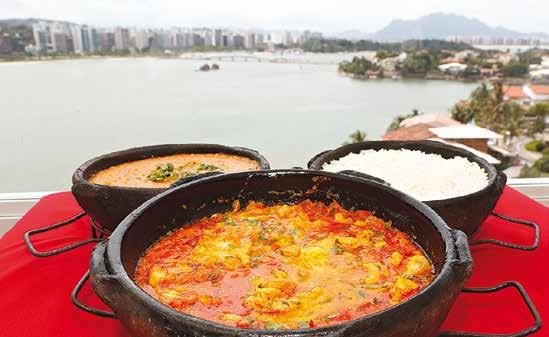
{"x":35,"y":298}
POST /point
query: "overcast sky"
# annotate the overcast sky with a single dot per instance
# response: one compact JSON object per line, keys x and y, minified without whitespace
{"x":321,"y":15}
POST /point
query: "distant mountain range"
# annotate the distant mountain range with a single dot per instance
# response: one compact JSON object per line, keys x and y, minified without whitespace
{"x":10,"y":23}
{"x":438,"y":26}
{"x":432,"y":26}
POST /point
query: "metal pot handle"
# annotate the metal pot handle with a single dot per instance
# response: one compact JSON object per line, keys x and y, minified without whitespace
{"x":354,"y":173}
{"x":100,"y":273}
{"x":531,"y":307}
{"x":316,"y":157}
{"x":35,"y":252}
{"x":85,"y":307}
{"x":532,"y":224}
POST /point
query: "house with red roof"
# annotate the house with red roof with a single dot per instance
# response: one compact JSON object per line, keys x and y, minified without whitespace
{"x":537,"y":93}
{"x":515,"y":93}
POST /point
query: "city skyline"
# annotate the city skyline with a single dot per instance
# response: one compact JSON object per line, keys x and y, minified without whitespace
{"x":289,"y":15}
{"x":68,"y":37}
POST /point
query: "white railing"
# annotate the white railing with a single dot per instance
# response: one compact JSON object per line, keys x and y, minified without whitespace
{"x":14,"y":205}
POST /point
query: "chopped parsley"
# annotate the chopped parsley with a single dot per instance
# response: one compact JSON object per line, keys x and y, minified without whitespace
{"x":162,"y":173}
{"x":207,"y":167}
{"x":167,"y":172}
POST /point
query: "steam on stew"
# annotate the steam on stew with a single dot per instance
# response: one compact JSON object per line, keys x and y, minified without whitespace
{"x":284,"y":266}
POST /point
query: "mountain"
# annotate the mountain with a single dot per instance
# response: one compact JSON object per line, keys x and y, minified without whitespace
{"x":10,"y":23}
{"x":441,"y":25}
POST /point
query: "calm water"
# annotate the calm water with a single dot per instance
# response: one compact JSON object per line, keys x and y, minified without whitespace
{"x":56,"y":115}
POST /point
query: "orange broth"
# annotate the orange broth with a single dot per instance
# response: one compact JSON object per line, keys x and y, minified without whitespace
{"x":284,"y":266}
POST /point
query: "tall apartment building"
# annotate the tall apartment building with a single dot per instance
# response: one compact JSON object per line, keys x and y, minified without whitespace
{"x":217,"y":38}
{"x":188,"y":39}
{"x":93,"y":38}
{"x":77,"y":39}
{"x":85,"y":38}
{"x":238,"y":41}
{"x":106,"y":40}
{"x":61,"y":41}
{"x":42,"y":36}
{"x":249,"y":40}
{"x":122,"y":39}
{"x":141,"y":39}
{"x":198,"y":40}
{"x":208,"y":38}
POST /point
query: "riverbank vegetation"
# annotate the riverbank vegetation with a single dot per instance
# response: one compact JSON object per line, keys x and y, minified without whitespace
{"x":360,"y":66}
{"x":455,"y":64}
{"x":342,"y":45}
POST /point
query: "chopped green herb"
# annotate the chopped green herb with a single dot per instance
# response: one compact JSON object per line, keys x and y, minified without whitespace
{"x":163,"y":173}
{"x":207,"y":167}
{"x":361,"y":293}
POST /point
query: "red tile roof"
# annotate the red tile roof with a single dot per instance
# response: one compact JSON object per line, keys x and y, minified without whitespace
{"x":514,"y":92}
{"x":540,"y":89}
{"x":416,"y":132}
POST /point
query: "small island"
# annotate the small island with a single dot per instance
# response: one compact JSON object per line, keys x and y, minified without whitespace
{"x":207,"y":67}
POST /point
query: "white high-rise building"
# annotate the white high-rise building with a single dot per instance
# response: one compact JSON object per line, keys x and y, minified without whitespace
{"x":249,"y":40}
{"x":217,"y":38}
{"x":42,"y":36}
{"x":208,"y":38}
{"x":121,"y":38}
{"x":59,"y":38}
{"x":76,"y":33}
{"x":141,"y":39}
{"x":93,"y":38}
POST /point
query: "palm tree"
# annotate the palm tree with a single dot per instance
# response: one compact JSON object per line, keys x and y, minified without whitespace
{"x":356,"y":137}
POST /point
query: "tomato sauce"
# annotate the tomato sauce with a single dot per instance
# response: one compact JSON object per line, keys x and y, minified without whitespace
{"x":284,"y":266}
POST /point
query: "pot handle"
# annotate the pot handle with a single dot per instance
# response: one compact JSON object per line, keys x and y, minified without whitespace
{"x":532,"y":224}
{"x":102,"y":278}
{"x":354,"y":173}
{"x":316,"y":157}
{"x":464,"y":262}
{"x":35,"y":252}
{"x":531,"y":307}
{"x":195,"y":177}
{"x":85,"y":307}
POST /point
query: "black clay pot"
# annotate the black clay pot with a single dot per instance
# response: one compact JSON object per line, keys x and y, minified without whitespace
{"x":108,"y":205}
{"x":113,"y":262}
{"x":465,"y":213}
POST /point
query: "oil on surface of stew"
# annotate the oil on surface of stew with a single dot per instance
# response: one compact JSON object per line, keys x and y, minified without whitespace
{"x":284,"y":266}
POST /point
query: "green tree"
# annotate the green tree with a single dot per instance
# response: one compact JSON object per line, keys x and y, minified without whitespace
{"x":383,"y":54}
{"x":462,"y":113}
{"x":358,"y":66}
{"x":540,"y":111}
{"x":395,"y":124}
{"x":418,"y":63}
{"x":491,"y":111}
{"x":515,"y":69}
{"x":540,"y":168}
{"x":356,"y":137}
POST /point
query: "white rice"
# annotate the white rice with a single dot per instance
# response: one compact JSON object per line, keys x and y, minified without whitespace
{"x":421,"y":175}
